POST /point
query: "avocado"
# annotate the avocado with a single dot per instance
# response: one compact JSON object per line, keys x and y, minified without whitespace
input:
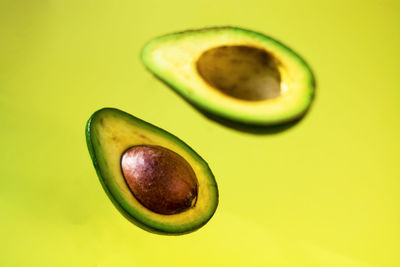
{"x":153,"y":178}
{"x":234,"y":74}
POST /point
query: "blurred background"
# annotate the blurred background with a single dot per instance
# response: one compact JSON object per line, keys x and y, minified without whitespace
{"x":325,"y":192}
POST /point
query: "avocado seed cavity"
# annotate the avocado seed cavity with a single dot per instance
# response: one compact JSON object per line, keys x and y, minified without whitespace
{"x":243,"y":72}
{"x":160,"y":179}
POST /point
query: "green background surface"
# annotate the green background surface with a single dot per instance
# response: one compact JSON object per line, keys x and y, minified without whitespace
{"x":323,"y":193}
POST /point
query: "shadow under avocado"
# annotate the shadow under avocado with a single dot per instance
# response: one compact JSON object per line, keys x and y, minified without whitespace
{"x":247,"y":128}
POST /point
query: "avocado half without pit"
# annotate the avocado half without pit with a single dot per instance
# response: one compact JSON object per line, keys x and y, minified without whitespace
{"x":233,"y":73}
{"x":153,"y":178}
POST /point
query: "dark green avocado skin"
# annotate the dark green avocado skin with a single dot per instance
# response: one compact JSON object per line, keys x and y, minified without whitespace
{"x":120,"y":208}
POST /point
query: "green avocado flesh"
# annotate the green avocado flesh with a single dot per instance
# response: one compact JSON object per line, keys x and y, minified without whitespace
{"x":153,"y":178}
{"x":233,"y":73}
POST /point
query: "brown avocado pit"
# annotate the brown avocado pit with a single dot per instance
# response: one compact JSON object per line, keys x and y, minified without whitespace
{"x":160,"y":179}
{"x":243,"y":72}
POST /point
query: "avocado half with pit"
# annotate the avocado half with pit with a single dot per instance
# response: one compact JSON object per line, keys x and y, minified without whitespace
{"x":233,"y":73}
{"x":153,"y":178}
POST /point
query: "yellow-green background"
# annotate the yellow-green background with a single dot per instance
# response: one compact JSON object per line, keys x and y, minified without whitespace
{"x":323,"y":193}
